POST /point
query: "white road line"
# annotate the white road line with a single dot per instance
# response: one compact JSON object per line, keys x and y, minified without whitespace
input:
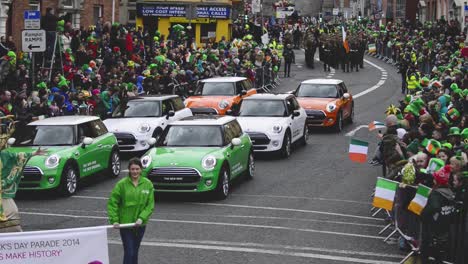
{"x":304,"y":230}
{"x":226,"y":216}
{"x":257,"y":207}
{"x":378,"y":85}
{"x":248,"y":244}
{"x":352,"y":132}
{"x":260,"y":251}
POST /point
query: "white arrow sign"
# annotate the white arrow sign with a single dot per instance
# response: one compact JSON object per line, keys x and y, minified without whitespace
{"x":33,"y":40}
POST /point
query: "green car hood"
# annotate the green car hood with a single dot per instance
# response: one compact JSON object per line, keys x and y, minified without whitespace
{"x":39,"y":160}
{"x":183,"y":156}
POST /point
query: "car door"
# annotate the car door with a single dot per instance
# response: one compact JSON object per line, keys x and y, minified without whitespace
{"x":293,"y":120}
{"x":87,"y":156}
{"x":301,"y":119}
{"x":179,"y":108}
{"x":346,"y":103}
{"x":234,"y":152}
{"x":245,"y":144}
{"x":104,"y":143}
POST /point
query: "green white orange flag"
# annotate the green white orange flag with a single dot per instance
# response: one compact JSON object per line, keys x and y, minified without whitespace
{"x":345,"y":40}
{"x":375,"y":125}
{"x":385,"y":193}
{"x":420,"y":199}
{"x":358,"y":150}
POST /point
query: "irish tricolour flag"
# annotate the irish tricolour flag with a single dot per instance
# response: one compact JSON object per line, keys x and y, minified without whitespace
{"x":420,"y":199}
{"x":384,"y":193}
{"x":358,"y":150}
{"x":375,"y":125}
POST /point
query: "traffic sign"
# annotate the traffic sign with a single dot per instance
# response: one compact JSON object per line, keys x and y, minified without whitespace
{"x":336,"y":11}
{"x":32,"y":19}
{"x":33,"y":40}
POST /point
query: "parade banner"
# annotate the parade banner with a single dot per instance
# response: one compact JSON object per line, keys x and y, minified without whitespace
{"x":71,"y":246}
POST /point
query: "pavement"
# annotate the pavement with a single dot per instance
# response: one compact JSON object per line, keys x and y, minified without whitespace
{"x":311,"y":208}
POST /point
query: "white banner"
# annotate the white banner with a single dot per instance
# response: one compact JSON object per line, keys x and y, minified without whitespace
{"x":256,"y":6}
{"x":71,"y":246}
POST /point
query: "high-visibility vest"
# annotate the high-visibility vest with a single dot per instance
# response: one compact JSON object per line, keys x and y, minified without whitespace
{"x":412,"y":84}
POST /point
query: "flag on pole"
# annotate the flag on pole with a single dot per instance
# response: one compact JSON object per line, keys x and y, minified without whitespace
{"x":345,"y":40}
{"x":375,"y":125}
{"x":384,"y":193}
{"x":358,"y":150}
{"x":420,"y":199}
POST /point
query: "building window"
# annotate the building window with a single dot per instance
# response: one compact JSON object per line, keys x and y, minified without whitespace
{"x":97,"y":13}
{"x":131,"y":15}
{"x":68,"y":3}
{"x":34,"y":5}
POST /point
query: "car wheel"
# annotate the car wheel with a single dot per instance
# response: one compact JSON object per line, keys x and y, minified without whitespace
{"x":114,"y":165}
{"x":339,"y":122}
{"x":69,"y":181}
{"x":223,"y":186}
{"x":305,"y":136}
{"x":351,"y":115}
{"x":286,"y":147}
{"x":250,"y":166}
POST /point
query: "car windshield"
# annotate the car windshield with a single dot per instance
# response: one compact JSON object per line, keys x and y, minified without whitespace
{"x":317,"y":90}
{"x":262,"y":108}
{"x":192,"y":136}
{"x":216,"y":88}
{"x":44,"y":136}
{"x":139,"y":108}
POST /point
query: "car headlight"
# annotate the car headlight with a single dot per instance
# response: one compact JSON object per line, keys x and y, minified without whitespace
{"x":331,"y":107}
{"x":146,"y":161}
{"x":277,"y":129}
{"x":52,"y":161}
{"x":223,"y":104}
{"x":209,"y":162}
{"x":144,"y":128}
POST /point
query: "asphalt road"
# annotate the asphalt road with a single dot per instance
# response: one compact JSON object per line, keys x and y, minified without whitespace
{"x":311,"y":208}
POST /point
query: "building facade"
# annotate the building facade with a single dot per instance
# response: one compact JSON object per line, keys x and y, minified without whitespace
{"x":78,"y":12}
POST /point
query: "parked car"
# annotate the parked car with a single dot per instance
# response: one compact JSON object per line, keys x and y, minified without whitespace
{"x":274,"y":122}
{"x":77,"y":147}
{"x":327,"y":102}
{"x":143,"y":118}
{"x":218,"y":95}
{"x":203,"y":153}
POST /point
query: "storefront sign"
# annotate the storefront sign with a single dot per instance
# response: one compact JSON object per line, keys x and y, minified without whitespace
{"x":180,"y":11}
{"x":184,"y":20}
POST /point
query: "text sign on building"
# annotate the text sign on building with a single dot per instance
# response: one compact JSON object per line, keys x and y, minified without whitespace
{"x":32,"y":19}
{"x":33,"y":40}
{"x":336,"y":11}
{"x":180,"y":11}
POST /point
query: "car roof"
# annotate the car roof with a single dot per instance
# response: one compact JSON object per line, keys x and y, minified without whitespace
{"x":322,"y":81}
{"x":63,"y":120}
{"x":204,"y":120}
{"x":153,"y":97}
{"x":224,"y":79}
{"x":268,"y":96}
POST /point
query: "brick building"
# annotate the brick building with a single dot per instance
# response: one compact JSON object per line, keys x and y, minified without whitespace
{"x":78,"y":12}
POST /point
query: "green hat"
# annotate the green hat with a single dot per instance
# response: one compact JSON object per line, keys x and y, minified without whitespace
{"x":433,"y":146}
{"x":412,"y":109}
{"x":454,"y":86}
{"x":41,"y":85}
{"x":453,"y":113}
{"x":419,"y":103}
{"x":425,"y":142}
{"x":447,"y":145}
{"x":454,"y":131}
{"x":434,"y":164}
{"x":413,"y":146}
{"x":130,"y":86}
{"x":408,"y":98}
{"x":445,"y":120}
{"x":465,"y":92}
{"x":464,"y":134}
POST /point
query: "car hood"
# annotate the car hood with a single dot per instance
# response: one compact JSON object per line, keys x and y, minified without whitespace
{"x":116,"y":125}
{"x":181,"y":156}
{"x":206,"y":101}
{"x":314,"y":103}
{"x":61,"y":150}
{"x":259,"y":124}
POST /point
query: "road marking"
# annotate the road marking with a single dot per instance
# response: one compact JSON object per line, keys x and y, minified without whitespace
{"x":261,"y":251}
{"x":352,"y":132}
{"x":225,"y":216}
{"x":305,"y":230}
{"x":378,"y":85}
{"x":258,"y":207}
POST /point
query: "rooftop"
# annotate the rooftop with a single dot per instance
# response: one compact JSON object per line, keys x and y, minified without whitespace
{"x":268,"y":96}
{"x":323,"y":81}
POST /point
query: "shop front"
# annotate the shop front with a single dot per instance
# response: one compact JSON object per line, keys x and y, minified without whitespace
{"x":209,"y":23}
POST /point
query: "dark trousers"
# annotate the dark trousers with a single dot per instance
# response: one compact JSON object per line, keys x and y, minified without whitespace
{"x":287,"y":68}
{"x":131,"y":239}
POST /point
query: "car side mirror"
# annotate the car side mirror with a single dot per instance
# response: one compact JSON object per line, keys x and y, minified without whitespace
{"x":87,"y":141}
{"x":243,"y":92}
{"x":296,"y":113}
{"x":151,"y":141}
{"x":236,"y":142}
{"x":346,"y":96}
{"x":229,"y":112}
{"x":171,"y":113}
{"x":292,"y":92}
{"x":11,"y":141}
{"x":190,"y":92}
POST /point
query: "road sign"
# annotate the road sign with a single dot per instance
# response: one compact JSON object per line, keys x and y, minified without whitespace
{"x":33,"y":40}
{"x":336,"y":11}
{"x":32,"y":19}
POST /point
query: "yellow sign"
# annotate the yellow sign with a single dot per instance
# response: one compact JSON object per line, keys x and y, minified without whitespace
{"x":184,"y":20}
{"x":229,"y":2}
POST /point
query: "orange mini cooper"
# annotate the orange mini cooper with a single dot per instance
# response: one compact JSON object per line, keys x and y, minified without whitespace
{"x":327,"y":102}
{"x":218,"y":95}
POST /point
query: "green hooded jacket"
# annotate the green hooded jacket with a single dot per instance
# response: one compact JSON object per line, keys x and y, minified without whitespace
{"x":128,"y":203}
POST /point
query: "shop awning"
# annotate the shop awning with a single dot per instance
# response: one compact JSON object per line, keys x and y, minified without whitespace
{"x":422,"y":3}
{"x":460,"y":3}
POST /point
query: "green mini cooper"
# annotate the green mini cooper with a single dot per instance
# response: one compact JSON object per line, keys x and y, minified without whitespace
{"x":76,"y":146}
{"x":199,"y":154}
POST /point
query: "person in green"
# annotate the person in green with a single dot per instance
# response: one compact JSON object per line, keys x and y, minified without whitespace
{"x":11,"y":169}
{"x":131,"y":201}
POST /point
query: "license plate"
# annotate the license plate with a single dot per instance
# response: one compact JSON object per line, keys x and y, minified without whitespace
{"x":173,"y":178}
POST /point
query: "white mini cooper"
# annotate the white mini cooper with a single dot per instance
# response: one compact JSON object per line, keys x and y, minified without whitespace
{"x":143,"y":118}
{"x":273,"y":122}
